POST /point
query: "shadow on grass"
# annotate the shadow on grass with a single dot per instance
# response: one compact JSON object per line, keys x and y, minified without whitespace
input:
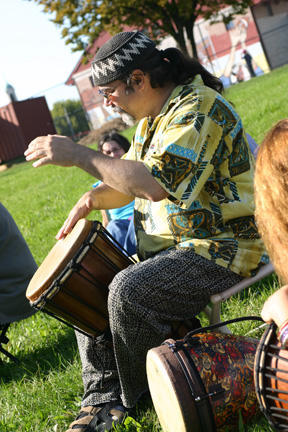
{"x":56,"y":355}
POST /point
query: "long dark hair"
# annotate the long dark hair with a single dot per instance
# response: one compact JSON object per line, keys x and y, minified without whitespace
{"x":113,"y":135}
{"x":172,"y":65}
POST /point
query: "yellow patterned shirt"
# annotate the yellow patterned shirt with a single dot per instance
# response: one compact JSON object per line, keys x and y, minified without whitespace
{"x":197,"y":150}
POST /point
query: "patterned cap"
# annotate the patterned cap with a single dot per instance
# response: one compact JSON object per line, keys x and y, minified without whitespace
{"x":120,"y":55}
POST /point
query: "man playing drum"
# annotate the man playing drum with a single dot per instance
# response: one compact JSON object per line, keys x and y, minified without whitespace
{"x":190,"y":172}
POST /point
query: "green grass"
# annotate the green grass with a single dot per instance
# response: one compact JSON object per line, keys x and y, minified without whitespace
{"x":42,"y":393}
{"x":261,"y":101}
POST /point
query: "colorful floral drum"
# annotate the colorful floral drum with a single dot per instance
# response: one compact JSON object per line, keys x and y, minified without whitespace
{"x":203,"y":383}
{"x":271,"y":379}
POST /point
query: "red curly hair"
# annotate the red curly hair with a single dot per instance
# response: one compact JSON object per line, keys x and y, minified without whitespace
{"x":271,"y":196}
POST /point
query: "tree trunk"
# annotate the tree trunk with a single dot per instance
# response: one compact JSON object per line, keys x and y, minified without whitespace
{"x":180,"y":39}
{"x":190,"y":36}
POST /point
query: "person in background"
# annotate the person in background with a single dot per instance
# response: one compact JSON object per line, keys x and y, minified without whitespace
{"x":249,"y":62}
{"x":119,"y":221}
{"x":235,"y":72}
{"x":253,"y":145}
{"x":271,"y":197}
{"x":190,"y":171}
{"x":17,"y":267}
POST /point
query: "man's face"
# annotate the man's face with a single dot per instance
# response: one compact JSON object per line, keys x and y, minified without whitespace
{"x":128,"y":119}
{"x":122,"y":99}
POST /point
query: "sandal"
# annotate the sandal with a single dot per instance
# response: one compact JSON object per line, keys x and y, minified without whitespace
{"x":98,"y":418}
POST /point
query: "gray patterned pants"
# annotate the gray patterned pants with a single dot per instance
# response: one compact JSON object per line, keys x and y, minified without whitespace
{"x":143,"y":299}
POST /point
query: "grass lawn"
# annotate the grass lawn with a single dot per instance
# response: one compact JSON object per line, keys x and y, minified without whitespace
{"x":43,"y":392}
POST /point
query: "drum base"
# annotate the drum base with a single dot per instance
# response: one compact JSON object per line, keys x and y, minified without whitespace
{"x":171,"y":395}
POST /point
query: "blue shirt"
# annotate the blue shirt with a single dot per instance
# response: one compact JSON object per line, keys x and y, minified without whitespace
{"x":125,"y":212}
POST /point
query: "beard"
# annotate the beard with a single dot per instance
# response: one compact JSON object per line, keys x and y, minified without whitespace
{"x":128,"y":119}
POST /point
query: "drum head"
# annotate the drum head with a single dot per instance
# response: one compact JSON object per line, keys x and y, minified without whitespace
{"x":167,"y":384}
{"x":57,"y":259}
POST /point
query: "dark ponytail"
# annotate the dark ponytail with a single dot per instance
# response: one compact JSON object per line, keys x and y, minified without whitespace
{"x":184,"y":68}
{"x":172,"y":65}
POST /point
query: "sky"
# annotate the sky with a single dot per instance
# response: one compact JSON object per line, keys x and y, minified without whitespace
{"x":34,"y":58}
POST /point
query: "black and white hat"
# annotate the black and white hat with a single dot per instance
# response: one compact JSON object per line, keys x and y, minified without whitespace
{"x":120,"y":55}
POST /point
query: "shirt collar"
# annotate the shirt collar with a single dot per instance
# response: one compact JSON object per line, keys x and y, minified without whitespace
{"x":176,"y":94}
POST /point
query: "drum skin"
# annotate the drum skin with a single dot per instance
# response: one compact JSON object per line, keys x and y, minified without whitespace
{"x":271,"y":379}
{"x":203,"y":385}
{"x":72,"y":282}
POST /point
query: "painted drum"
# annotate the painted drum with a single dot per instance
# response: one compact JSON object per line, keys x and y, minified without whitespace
{"x":204,"y":383}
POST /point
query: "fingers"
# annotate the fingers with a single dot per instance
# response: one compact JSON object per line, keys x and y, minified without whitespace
{"x":276,"y":307}
{"x":80,"y":210}
{"x":36,"y":143}
{"x":68,"y":225}
{"x":54,"y":149}
{"x":40,"y":155}
{"x":266,"y":313}
{"x":64,"y":230}
{"x":38,"y":150}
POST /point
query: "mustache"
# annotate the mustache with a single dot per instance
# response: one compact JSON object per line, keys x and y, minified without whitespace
{"x":119,"y":110}
{"x":127,"y":118}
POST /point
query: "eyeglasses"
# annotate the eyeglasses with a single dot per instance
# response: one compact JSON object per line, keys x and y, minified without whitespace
{"x":107,"y":93}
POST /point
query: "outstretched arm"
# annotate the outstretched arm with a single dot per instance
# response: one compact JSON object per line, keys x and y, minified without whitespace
{"x":131,"y":178}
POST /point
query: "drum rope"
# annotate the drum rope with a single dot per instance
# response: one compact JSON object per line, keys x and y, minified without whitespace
{"x":91,"y":279}
{"x":47,"y":312}
{"x":221,"y":324}
{"x":266,"y":377}
{"x":106,"y":233}
{"x":108,"y":261}
{"x":202,"y":401}
{"x":277,"y":356}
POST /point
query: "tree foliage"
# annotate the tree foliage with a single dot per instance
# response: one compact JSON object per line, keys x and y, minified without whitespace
{"x":69,"y":118}
{"x":82,"y":21}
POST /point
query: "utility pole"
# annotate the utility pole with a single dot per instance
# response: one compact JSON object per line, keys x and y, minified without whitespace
{"x":69,"y":123}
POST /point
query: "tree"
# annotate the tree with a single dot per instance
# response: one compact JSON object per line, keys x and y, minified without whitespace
{"x":82,"y":21}
{"x":69,"y":118}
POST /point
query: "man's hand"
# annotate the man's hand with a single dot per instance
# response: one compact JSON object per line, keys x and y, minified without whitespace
{"x":81,"y":210}
{"x":52,"y":149}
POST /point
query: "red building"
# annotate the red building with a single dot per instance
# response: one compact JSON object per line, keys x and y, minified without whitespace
{"x":20,"y":123}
